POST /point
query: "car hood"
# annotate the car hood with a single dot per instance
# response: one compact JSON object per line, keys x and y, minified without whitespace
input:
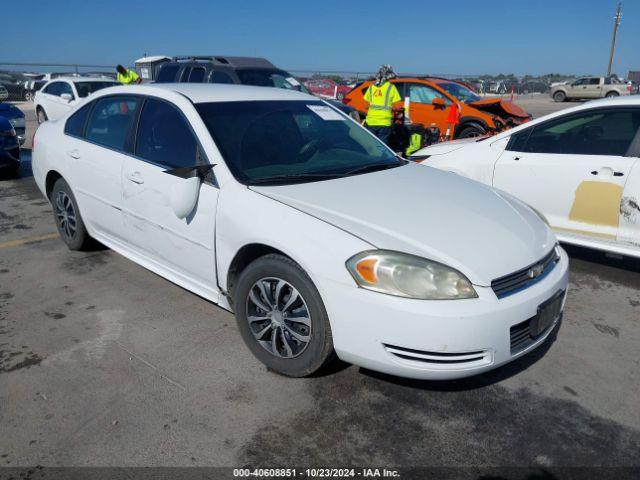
{"x":9,"y":111}
{"x":430,"y":213}
{"x":500,"y":107}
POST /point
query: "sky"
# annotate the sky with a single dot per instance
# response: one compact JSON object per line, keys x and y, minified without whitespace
{"x":457,"y":37}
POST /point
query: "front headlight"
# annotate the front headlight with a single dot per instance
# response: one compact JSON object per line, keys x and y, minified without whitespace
{"x":405,"y":275}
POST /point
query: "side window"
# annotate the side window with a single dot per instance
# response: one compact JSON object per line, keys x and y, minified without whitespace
{"x":423,"y":94}
{"x":66,"y":88}
{"x":220,"y":77}
{"x":164,"y":136}
{"x":518,"y":141}
{"x":53,"y":89}
{"x":581,"y":81}
{"x":601,"y":132}
{"x":110,"y":119}
{"x":167,"y":74}
{"x":594,"y":81}
{"x":196,"y":75}
{"x":75,"y":123}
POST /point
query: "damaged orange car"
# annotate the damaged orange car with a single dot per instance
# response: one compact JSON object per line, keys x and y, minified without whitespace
{"x":431,"y":99}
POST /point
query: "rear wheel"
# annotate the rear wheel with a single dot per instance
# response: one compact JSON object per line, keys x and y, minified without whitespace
{"x":471,"y":130}
{"x":282,"y":318}
{"x":612,"y":94}
{"x":67,"y":216}
{"x":559,"y":97}
{"x":42,"y":116}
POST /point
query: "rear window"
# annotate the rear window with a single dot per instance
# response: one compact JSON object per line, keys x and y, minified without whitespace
{"x":75,"y":123}
{"x":167,"y":73}
{"x":84,"y":89}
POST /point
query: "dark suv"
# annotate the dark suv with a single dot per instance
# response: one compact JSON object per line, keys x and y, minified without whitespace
{"x":238,"y":70}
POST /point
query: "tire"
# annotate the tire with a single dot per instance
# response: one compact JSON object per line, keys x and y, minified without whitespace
{"x":612,"y":94}
{"x":10,"y":171}
{"x":276,"y":276}
{"x":559,"y":97}
{"x":41,"y":115}
{"x":28,"y":96}
{"x":66,"y":213}
{"x":471,"y":130}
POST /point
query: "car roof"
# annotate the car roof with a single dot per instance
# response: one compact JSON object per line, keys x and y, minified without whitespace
{"x":232,"y":62}
{"x":213,"y":92}
{"x":82,"y":79}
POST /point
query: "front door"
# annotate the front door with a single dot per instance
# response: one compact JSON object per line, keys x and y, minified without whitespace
{"x":422,"y":109}
{"x":573,"y":169}
{"x":98,"y":158}
{"x":182,"y":248}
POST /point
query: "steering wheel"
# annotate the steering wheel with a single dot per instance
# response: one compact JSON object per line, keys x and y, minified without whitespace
{"x":309,"y":149}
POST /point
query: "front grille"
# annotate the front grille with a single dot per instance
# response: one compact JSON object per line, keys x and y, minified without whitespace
{"x":524,"y":278}
{"x":443,"y":358}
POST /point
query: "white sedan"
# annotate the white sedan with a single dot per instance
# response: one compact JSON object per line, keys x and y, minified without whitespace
{"x":274,"y":205}
{"x":579,"y":167}
{"x":62,"y":94}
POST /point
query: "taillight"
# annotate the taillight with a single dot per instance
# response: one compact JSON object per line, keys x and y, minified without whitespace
{"x":346,"y":100}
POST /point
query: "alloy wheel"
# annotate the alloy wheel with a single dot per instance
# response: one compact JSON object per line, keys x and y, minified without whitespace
{"x":278,"y":317}
{"x":66,"y":214}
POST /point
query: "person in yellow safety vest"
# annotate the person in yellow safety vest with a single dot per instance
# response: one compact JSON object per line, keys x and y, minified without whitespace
{"x":381,"y":96}
{"x":126,"y":76}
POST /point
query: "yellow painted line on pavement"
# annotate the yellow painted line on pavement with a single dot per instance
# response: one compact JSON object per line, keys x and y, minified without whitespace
{"x":27,"y":241}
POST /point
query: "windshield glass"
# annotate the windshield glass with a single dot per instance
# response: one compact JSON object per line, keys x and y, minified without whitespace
{"x":291,"y":141}
{"x":86,"y":88}
{"x":459,"y":91}
{"x":261,"y":77}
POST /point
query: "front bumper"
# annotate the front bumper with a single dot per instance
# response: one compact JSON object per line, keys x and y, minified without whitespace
{"x":437,"y":340}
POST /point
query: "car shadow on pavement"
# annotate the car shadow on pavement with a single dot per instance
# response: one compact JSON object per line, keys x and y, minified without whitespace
{"x":478,"y":381}
{"x":596,"y":256}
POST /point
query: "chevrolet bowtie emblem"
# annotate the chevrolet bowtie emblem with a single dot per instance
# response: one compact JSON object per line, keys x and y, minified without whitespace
{"x":536,"y":271}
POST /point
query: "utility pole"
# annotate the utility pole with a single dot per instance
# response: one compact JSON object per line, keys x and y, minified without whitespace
{"x":616,"y":23}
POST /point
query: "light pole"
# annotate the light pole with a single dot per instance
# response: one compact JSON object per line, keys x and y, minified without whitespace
{"x":616,"y":23}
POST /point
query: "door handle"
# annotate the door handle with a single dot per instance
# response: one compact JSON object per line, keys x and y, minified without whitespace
{"x":135,"y":177}
{"x":74,"y":154}
{"x":615,"y":174}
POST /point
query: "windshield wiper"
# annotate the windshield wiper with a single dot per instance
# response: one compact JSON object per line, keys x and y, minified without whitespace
{"x":300,"y":177}
{"x":373,"y":167}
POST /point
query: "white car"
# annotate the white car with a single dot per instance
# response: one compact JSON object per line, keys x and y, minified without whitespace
{"x":62,"y":94}
{"x":579,"y":167}
{"x":272,"y":204}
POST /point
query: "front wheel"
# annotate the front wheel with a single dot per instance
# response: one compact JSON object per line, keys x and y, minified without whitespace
{"x":471,"y":131}
{"x":612,"y":94}
{"x":282,"y":318}
{"x":67,"y":217}
{"x":559,"y":97}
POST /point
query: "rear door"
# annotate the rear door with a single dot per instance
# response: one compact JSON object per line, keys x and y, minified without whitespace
{"x":593,"y":88}
{"x":183,"y":248}
{"x":97,"y":159}
{"x":573,"y":169}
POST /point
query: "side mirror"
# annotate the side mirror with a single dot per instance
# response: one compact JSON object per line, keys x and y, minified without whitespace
{"x":438,"y":102}
{"x":67,"y":97}
{"x":185,"y":191}
{"x":184,"y":196}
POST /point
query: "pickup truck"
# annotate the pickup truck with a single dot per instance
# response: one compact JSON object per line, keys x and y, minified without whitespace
{"x":588,"y":88}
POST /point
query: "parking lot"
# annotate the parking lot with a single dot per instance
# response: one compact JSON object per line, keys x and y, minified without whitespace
{"x":103,"y":363}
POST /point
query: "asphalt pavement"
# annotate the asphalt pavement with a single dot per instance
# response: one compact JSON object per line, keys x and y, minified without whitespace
{"x":103,"y":363}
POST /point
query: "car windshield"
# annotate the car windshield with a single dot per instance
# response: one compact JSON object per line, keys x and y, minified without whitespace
{"x":261,"y":77}
{"x":86,"y":88}
{"x":459,"y":91}
{"x":282,"y":142}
